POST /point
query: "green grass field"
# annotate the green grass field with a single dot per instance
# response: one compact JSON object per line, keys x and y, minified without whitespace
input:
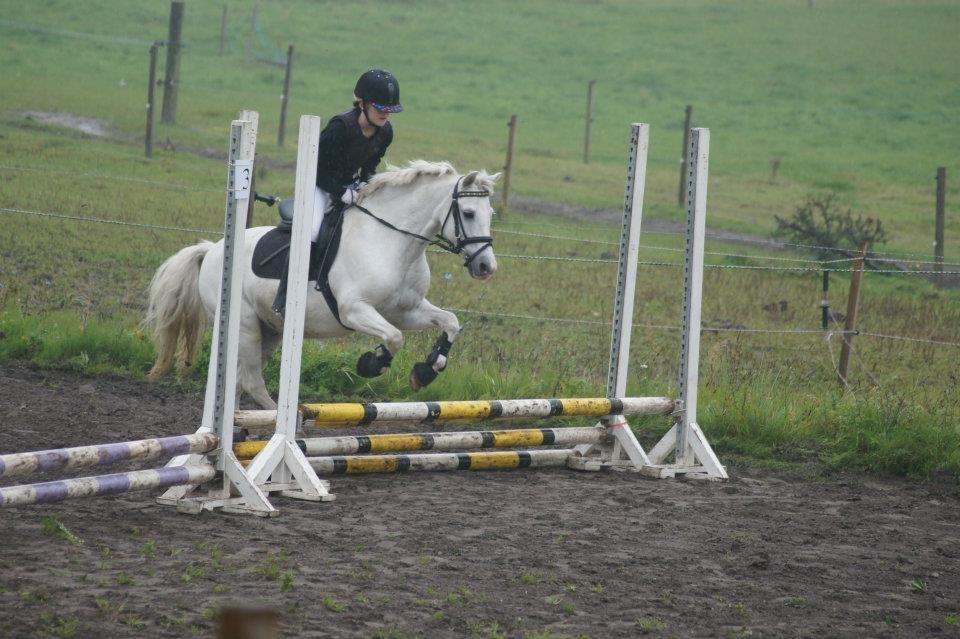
{"x":856,"y":98}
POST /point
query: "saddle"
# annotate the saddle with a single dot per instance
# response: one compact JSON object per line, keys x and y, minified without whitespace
{"x":271,"y":256}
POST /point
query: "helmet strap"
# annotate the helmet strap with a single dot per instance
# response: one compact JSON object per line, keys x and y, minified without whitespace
{"x":366,"y":105}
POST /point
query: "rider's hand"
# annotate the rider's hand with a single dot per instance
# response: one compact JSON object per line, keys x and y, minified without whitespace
{"x":350,"y":196}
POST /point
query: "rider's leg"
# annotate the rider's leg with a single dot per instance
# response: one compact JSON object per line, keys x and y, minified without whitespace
{"x":321,"y":203}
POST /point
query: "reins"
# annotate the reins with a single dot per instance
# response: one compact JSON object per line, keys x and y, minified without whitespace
{"x":463,"y":240}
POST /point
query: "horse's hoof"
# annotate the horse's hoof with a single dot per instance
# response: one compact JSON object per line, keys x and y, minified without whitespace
{"x":421,"y":375}
{"x":370,"y":365}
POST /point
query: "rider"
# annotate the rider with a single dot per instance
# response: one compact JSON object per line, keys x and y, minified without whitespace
{"x":351,"y":147}
{"x":353,"y":143}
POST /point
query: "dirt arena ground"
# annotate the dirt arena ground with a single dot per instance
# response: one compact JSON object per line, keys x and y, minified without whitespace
{"x":550,"y":553}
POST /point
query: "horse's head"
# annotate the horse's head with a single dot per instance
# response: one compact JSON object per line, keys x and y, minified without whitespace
{"x":461,"y":215}
{"x":468,"y":221}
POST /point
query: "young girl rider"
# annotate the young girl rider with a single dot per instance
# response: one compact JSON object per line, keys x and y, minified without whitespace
{"x":351,"y":147}
{"x":353,"y":143}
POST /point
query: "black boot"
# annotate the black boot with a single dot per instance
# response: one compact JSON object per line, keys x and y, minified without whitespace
{"x":280,"y":301}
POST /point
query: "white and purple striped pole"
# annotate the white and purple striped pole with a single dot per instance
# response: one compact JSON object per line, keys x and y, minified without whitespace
{"x":54,"y":491}
{"x":104,"y":454}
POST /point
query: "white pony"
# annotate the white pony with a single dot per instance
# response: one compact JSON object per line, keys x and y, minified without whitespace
{"x":380,"y":278}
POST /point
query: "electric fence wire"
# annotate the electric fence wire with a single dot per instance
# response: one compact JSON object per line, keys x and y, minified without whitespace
{"x":668,"y":327}
{"x":32,"y":28}
{"x":518,"y":316}
{"x":503,"y":255}
{"x":904,"y":338}
{"x":654,"y":247}
{"x":791,"y":269}
{"x":173,"y":186}
{"x":81,"y":218}
{"x":863,"y":365}
{"x":833,"y":363}
{"x":717,"y":235}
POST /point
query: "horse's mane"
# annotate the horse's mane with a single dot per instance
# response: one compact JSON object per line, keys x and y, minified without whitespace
{"x":415,"y":169}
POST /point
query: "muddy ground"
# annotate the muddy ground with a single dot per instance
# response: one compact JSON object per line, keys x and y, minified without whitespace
{"x":549,"y":553}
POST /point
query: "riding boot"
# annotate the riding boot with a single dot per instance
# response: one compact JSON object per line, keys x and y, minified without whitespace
{"x":280,"y":301}
{"x":316,"y":254}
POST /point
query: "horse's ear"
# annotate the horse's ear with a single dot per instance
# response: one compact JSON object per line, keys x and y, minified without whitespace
{"x":495,"y":177}
{"x":470,"y":178}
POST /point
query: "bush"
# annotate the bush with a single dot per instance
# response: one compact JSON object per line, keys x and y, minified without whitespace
{"x":819,"y":222}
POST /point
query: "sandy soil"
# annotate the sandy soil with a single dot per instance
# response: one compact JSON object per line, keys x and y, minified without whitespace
{"x":487,"y":554}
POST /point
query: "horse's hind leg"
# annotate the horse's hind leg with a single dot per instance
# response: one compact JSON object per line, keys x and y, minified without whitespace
{"x":423,"y":317}
{"x":269,"y":342}
{"x":253,"y":344}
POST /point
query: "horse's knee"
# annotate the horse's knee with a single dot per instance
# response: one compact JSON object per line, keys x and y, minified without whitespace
{"x":393,"y":340}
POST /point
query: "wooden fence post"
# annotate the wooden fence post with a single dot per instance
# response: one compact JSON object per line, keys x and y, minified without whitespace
{"x":508,"y":166}
{"x":223,"y":29}
{"x":284,"y":97}
{"x":853,"y":304}
{"x":589,"y":121}
{"x":941,"y":218}
{"x":171,"y":82}
{"x":151,"y":96}
{"x":687,"y":123}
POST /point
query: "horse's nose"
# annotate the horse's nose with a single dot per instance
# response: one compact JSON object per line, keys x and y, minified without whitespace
{"x":484,"y":267}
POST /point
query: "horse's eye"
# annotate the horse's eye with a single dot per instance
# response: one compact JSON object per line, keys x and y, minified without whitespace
{"x":469,"y":215}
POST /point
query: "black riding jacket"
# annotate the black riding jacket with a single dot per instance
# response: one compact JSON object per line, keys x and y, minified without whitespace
{"x":346,"y":155}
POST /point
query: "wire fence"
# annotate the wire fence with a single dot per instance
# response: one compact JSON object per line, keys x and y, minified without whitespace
{"x":519,"y":256}
{"x":814,"y":265}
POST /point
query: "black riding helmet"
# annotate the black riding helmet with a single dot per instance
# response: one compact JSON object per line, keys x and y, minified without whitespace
{"x":381,"y":89}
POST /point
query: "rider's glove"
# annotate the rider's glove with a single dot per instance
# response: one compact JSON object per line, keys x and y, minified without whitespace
{"x":352,"y":194}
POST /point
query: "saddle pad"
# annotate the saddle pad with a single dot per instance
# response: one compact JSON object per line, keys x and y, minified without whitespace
{"x":270,"y":254}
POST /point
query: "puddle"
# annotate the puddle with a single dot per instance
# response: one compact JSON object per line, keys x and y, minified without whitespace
{"x":90,"y":126}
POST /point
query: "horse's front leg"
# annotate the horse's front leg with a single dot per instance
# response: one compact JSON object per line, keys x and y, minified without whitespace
{"x":364,"y":318}
{"x":425,"y":316}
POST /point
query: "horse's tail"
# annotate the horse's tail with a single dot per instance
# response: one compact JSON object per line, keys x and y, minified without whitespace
{"x":175,"y":313}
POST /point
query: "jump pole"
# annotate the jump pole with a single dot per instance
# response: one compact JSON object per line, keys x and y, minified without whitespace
{"x":497,"y":460}
{"x":18,"y":464}
{"x":406,"y":442}
{"x":100,"y":485}
{"x":347,"y":414}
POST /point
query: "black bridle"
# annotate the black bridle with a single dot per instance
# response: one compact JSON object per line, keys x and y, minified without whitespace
{"x":462,"y":239}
